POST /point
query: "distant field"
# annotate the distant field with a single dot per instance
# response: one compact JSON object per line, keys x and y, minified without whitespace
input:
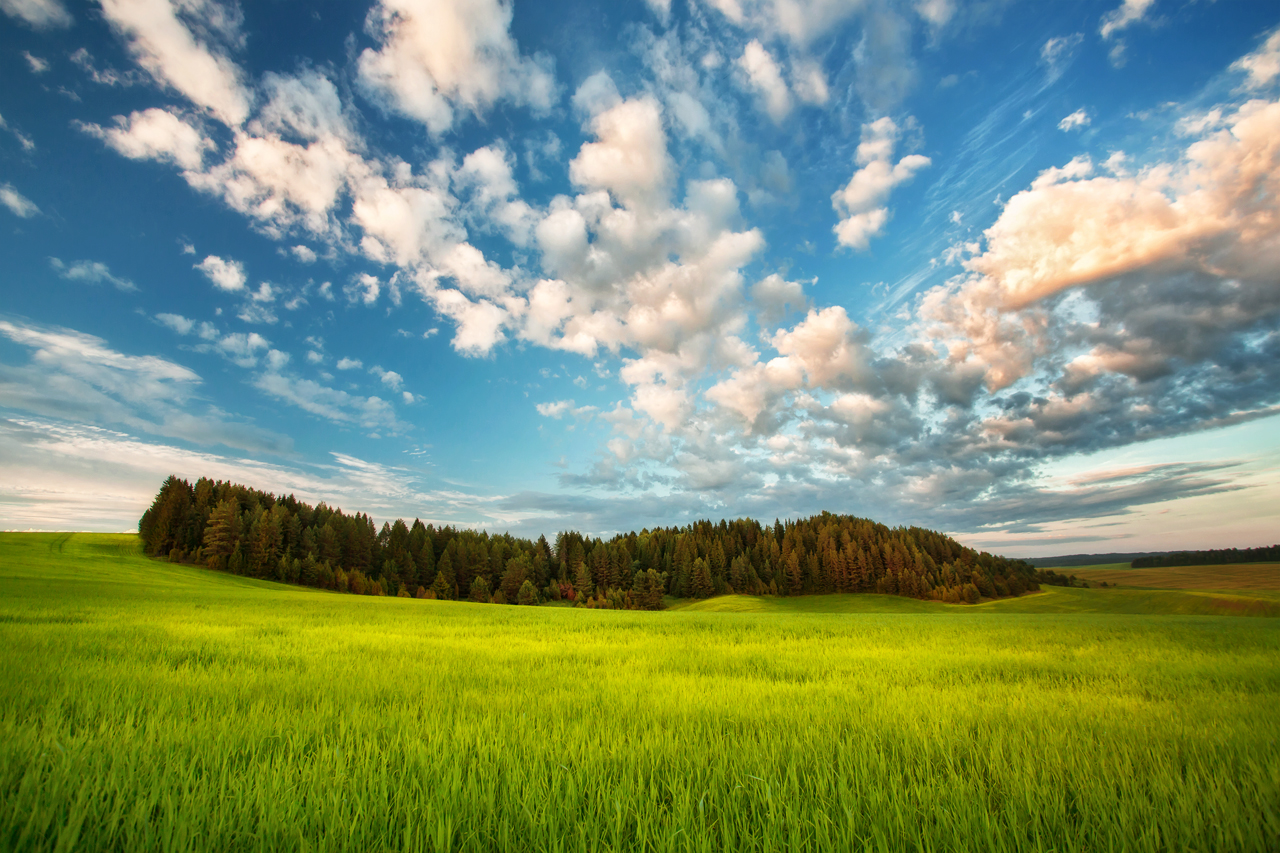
{"x":1240,"y":576}
{"x":149,"y":706}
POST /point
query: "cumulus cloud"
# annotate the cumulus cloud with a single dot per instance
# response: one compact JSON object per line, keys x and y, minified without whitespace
{"x":438,"y":55}
{"x":764,"y":75}
{"x":39,"y":14}
{"x":154,"y":134}
{"x":90,"y":272}
{"x":389,"y":378}
{"x":861,"y":202}
{"x":350,"y":364}
{"x":18,"y":204}
{"x":629,"y":158}
{"x":1079,"y":118}
{"x":1263,"y":65}
{"x":225,"y":274}
{"x":165,"y":46}
{"x":1128,"y":13}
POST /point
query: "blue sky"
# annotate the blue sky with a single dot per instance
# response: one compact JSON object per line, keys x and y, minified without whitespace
{"x":1010,"y":270}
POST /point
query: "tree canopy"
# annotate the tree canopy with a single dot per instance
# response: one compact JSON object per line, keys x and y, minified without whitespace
{"x":230,"y":527}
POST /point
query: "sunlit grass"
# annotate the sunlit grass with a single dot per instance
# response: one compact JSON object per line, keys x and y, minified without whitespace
{"x":148,"y":706}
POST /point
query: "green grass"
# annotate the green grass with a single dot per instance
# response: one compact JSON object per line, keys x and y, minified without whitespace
{"x":146,"y":706}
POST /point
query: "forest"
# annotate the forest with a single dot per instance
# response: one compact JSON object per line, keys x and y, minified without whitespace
{"x":233,"y":528}
{"x":1221,"y":557}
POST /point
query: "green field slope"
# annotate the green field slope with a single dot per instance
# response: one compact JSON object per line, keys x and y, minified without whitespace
{"x":151,"y":706}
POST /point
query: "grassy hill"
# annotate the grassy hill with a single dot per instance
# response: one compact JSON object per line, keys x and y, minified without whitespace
{"x":149,"y":706}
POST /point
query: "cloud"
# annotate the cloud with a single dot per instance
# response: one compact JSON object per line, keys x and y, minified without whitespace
{"x":90,"y":272}
{"x":78,"y":377}
{"x":1077,"y":119}
{"x":164,"y":45}
{"x":434,"y":56}
{"x":350,"y":364}
{"x":303,"y":254}
{"x":1058,"y":52}
{"x":35,"y":63}
{"x":556,"y":409}
{"x":177,"y":323}
{"x":629,"y":158}
{"x":39,"y":14}
{"x":765,"y":77}
{"x":328,"y":403}
{"x":861,"y":202}
{"x":364,"y":288}
{"x":1128,"y":13}
{"x":154,"y":134}
{"x":225,"y":275}
{"x":1263,"y":65}
{"x":389,"y":378}
{"x":18,"y":204}
{"x":1214,"y":211}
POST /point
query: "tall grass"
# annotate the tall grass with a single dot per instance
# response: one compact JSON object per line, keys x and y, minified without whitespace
{"x":147,"y":706}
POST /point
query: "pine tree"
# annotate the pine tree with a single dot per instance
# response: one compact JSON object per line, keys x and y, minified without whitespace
{"x":528,"y":594}
{"x":480,"y":590}
{"x":443,"y":586}
{"x":701,"y":583}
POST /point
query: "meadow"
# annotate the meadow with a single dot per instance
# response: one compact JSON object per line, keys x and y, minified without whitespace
{"x":154,"y":706}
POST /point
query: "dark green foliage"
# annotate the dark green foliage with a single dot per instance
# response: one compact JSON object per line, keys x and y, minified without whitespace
{"x":234,"y":528}
{"x":1221,"y":557}
{"x":528,"y":594}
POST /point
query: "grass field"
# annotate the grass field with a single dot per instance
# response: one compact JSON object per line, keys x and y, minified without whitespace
{"x":148,"y":706}
{"x":1251,"y":577}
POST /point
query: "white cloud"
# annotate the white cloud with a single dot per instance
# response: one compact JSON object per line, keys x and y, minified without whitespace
{"x":225,"y":275}
{"x":40,"y":14}
{"x":555,"y":409}
{"x":629,"y":158}
{"x":18,"y":204}
{"x":350,"y":364}
{"x":154,"y":134}
{"x":242,"y":349}
{"x":861,"y":203}
{"x":766,"y":78}
{"x":35,"y":63}
{"x":303,"y":254}
{"x":1214,"y":210}
{"x":177,"y":323}
{"x":165,"y":47}
{"x":389,"y":378}
{"x":1263,"y":65}
{"x":1128,"y":13}
{"x":1056,"y":53}
{"x":1079,"y":118}
{"x":328,"y":403}
{"x":90,"y":272}
{"x":364,"y":288}
{"x":435,"y":55}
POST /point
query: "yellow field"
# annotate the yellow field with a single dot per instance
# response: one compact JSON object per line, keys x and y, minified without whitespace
{"x":1241,"y":576}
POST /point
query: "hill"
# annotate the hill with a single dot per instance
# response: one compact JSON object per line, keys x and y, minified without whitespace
{"x":230,"y":527}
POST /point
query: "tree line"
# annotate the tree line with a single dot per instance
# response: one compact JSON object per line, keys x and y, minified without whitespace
{"x":233,"y":528}
{"x":1220,"y":557}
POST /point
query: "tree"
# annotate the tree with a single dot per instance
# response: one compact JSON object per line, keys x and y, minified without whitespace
{"x":528,"y":593}
{"x":514,"y":577}
{"x":480,"y":590}
{"x":222,"y":533}
{"x":702,"y":587}
{"x":443,"y":585}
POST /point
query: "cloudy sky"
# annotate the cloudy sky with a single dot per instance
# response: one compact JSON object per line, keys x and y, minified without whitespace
{"x":1006,"y":269}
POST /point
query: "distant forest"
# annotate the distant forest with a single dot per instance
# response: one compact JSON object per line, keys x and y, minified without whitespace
{"x":233,"y":528}
{"x":1209,"y":558}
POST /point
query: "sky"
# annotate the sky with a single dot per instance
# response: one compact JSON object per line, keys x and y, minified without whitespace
{"x":1009,"y":270}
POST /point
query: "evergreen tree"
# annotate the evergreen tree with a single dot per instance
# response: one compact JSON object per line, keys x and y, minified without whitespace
{"x":527,"y":594}
{"x":702,"y":587}
{"x":480,"y":590}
